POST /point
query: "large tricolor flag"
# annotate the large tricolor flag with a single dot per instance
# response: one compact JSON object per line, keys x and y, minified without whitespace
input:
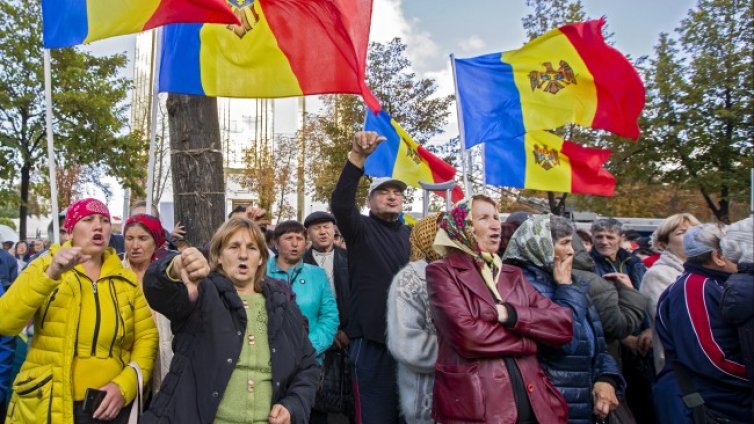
{"x":67,"y":23}
{"x":402,"y":158}
{"x":568,"y":75}
{"x":281,"y":48}
{"x":541,"y":160}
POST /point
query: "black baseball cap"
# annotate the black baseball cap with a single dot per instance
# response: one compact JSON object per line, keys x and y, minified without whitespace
{"x":318,"y":217}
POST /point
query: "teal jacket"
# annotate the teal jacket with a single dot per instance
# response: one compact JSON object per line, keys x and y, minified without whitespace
{"x":314,"y":297}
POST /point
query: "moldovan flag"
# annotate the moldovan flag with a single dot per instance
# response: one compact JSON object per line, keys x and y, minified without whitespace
{"x":67,"y":23}
{"x":402,"y":158}
{"x":568,"y":75}
{"x":282,"y":48}
{"x":540,"y":160}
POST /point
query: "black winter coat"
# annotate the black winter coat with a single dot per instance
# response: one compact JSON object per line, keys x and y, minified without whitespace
{"x":738,"y":310}
{"x":208,"y":337}
{"x":622,"y":310}
{"x":340,"y":275}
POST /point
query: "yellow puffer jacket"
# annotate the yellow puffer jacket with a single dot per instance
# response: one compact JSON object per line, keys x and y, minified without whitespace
{"x":42,"y":391}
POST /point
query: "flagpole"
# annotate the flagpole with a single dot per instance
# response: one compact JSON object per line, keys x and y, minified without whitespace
{"x":484,"y":168}
{"x":50,"y":150}
{"x":462,"y":137}
{"x":156,"y":58}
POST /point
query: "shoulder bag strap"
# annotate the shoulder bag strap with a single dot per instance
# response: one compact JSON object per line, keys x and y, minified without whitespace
{"x":137,"y":404}
{"x":691,"y":397}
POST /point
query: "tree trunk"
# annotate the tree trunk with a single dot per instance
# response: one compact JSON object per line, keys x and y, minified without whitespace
{"x":722,"y":213}
{"x":557,"y":206}
{"x":24,"y":207}
{"x":197,"y":165}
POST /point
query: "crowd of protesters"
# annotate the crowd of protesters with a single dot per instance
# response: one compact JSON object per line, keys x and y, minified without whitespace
{"x":354,"y":318}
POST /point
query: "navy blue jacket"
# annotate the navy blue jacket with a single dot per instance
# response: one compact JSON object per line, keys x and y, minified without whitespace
{"x":624,"y":262}
{"x":692,"y":331}
{"x":7,"y":354}
{"x":575,"y":367}
{"x":8,"y":268}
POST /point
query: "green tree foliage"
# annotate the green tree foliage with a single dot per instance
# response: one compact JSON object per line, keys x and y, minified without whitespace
{"x":88,"y":109}
{"x":698,"y":124}
{"x":551,"y":14}
{"x":409,"y":99}
{"x":714,"y":102}
{"x":270,"y":173}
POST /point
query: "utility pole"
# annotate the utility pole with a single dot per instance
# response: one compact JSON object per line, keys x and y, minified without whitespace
{"x":301,"y":158}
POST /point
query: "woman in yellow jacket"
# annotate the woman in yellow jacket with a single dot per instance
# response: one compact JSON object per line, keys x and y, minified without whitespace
{"x":91,"y":321}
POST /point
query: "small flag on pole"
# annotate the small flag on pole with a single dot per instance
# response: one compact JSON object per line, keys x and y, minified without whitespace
{"x":402,"y":158}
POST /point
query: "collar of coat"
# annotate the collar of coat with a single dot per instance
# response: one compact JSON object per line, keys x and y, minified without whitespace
{"x":469,"y":274}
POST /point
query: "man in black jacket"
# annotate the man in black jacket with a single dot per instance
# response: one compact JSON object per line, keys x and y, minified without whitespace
{"x":320,"y":229}
{"x":378,"y":248}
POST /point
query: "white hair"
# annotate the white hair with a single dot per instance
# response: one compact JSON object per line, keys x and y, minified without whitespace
{"x":738,"y":243}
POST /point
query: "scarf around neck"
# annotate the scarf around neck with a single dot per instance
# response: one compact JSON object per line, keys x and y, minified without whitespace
{"x":456,"y":232}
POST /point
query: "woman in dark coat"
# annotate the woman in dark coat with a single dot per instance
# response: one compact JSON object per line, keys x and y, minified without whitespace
{"x":241,"y":348}
{"x":489,"y":322}
{"x":584,"y":372}
{"x":738,"y":296}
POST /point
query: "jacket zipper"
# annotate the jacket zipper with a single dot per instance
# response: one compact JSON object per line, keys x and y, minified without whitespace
{"x":117,"y":317}
{"x":49,"y":405}
{"x":36,"y":386}
{"x":47,"y":309}
{"x":97,"y":319}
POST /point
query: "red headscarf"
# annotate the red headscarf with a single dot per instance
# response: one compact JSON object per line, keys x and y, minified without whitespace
{"x":83,"y":208}
{"x":153,"y":226}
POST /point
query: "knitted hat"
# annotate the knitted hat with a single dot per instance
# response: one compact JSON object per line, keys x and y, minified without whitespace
{"x":81,"y":209}
{"x":423,"y":237}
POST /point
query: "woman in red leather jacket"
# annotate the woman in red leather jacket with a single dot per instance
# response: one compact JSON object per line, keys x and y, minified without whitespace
{"x":489,"y":321}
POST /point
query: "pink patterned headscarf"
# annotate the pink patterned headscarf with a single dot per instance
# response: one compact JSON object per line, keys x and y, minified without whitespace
{"x":83,"y":208}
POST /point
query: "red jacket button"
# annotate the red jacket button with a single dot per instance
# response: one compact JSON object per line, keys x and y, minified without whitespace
{"x":530,"y":387}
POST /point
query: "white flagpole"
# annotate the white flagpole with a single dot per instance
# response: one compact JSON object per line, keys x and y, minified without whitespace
{"x":50,"y":150}
{"x":156,"y":58}
{"x":466,"y":184}
{"x":484,"y":168}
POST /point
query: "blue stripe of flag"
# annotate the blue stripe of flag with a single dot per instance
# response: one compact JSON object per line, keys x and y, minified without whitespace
{"x":180,"y":67}
{"x":64,"y":23}
{"x":505,"y":162}
{"x":382,"y":162}
{"x":490,"y":101}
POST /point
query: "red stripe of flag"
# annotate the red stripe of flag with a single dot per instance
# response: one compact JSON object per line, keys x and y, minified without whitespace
{"x":441,"y":172}
{"x":192,"y":11}
{"x":587,"y":173}
{"x":620,"y":91}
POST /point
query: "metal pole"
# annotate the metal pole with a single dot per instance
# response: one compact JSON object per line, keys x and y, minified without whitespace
{"x":751,"y":201}
{"x":156,"y":58}
{"x":447,"y":187}
{"x":462,"y":138}
{"x":50,"y":150}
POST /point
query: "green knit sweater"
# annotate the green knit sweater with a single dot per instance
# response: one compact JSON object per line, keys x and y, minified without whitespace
{"x":248,"y":397}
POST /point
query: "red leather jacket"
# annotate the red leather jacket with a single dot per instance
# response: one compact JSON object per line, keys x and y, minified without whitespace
{"x":471,"y":380}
